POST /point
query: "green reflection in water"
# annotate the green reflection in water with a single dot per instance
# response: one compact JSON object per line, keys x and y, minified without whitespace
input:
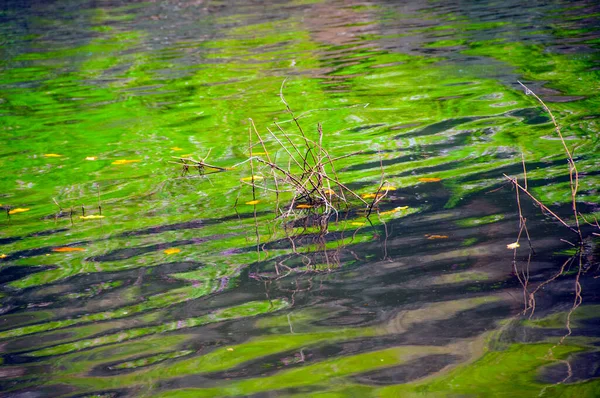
{"x":243,"y":310}
{"x":113,"y":96}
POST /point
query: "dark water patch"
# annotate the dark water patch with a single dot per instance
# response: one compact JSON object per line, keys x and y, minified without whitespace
{"x":7,"y":241}
{"x":195,"y":224}
{"x":388,"y":162}
{"x":9,"y":274}
{"x":366,"y":127}
{"x":531,"y":116}
{"x":437,"y":128}
{"x":49,"y":232}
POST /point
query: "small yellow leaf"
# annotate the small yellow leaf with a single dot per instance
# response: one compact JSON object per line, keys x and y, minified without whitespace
{"x":430,"y":179}
{"x":370,"y":195}
{"x":126,"y":161}
{"x":357,"y":224}
{"x":397,"y":209}
{"x":230,"y":349}
{"x":176,"y":148}
{"x":252,"y":178}
{"x":91,"y":217}
{"x":304,"y":206}
{"x":432,"y":237}
{"x":187,"y":155}
{"x":3,"y":255}
{"x":259,"y":153}
{"x":513,"y":245}
{"x":91,"y":158}
{"x":68,"y":249}
{"x":18,"y":210}
{"x":52,"y":155}
{"x":253,"y":202}
{"x":329,"y":192}
{"x":172,"y":250}
{"x":388,"y":188}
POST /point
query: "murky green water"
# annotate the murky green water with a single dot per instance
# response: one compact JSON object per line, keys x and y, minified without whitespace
{"x":122,"y":277}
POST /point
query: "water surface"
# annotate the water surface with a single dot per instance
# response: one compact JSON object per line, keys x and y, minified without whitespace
{"x":121,"y":276}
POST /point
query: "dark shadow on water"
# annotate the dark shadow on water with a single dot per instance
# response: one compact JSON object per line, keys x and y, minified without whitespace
{"x":413,"y":370}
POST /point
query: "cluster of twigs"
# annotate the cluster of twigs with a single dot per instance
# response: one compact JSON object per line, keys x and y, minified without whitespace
{"x":310,"y":174}
{"x":529,"y":292}
{"x":305,"y":170}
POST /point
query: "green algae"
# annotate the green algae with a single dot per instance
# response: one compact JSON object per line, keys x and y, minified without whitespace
{"x":117,"y":97}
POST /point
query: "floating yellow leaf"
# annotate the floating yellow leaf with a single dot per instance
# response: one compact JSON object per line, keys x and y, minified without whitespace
{"x":397,"y":209}
{"x":304,"y":206}
{"x":187,"y":155}
{"x":432,"y":237}
{"x":357,"y":224}
{"x":91,"y":217}
{"x":18,"y":210}
{"x":259,"y":153}
{"x":171,"y":251}
{"x":388,"y":188}
{"x":3,"y":255}
{"x":370,"y":195}
{"x":513,"y":245}
{"x":252,"y":178}
{"x":126,"y":161}
{"x":52,"y":155}
{"x":230,"y":349}
{"x":429,"y":179}
{"x":91,"y":158}
{"x":253,"y":202}
{"x":176,"y":148}
{"x":329,"y":192}
{"x":68,"y":249}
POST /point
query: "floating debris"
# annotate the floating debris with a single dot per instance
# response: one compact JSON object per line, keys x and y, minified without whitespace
{"x":18,"y":210}
{"x":91,"y":217}
{"x":68,"y":249}
{"x":126,"y":161}
{"x":434,"y":236}
{"x":252,"y":178}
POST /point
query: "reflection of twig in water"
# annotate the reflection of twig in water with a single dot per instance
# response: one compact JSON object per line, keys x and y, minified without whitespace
{"x":578,"y":299}
{"x":530,"y":302}
{"x":573,"y":173}
{"x":576,"y":303}
{"x":523,"y":277}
